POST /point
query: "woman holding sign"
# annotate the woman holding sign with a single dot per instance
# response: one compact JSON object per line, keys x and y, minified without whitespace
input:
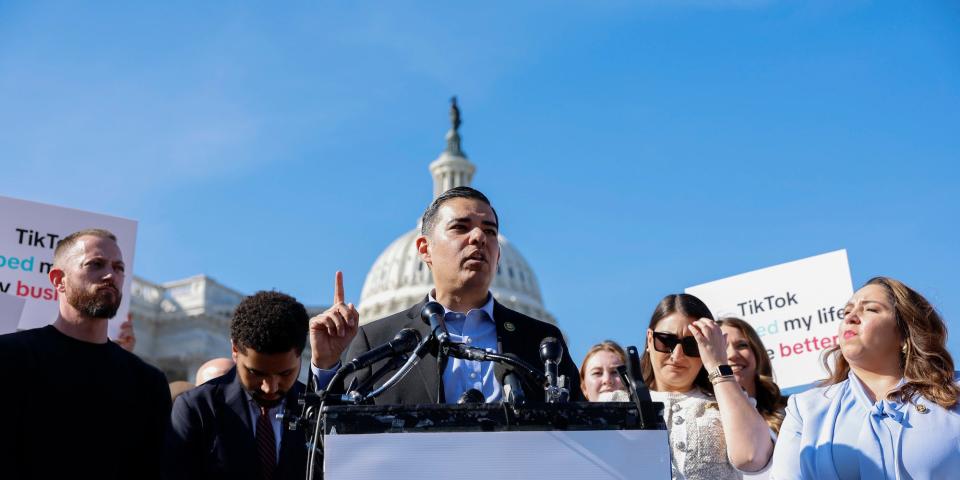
{"x":890,"y":407}
{"x":715,"y":431}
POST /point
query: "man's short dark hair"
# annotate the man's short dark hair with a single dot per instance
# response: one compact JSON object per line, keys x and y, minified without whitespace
{"x":66,"y":243}
{"x":429,"y":219}
{"x":270,"y":322}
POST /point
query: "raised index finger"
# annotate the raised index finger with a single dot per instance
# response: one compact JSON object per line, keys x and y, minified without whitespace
{"x":338,"y":289}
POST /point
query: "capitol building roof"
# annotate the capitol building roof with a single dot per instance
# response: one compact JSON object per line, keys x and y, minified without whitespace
{"x":399,"y":278}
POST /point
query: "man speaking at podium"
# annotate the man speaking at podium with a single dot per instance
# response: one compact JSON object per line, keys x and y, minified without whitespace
{"x":458,"y":242}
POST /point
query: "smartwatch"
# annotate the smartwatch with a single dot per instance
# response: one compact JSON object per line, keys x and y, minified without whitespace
{"x":722,"y":371}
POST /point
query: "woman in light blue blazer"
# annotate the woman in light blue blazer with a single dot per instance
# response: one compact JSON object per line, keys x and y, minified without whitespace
{"x":890,"y":407}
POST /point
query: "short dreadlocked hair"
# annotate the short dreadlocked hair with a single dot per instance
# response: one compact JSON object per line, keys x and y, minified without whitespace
{"x":269,"y":322}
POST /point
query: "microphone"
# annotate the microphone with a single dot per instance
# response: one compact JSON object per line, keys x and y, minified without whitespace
{"x":512,"y":389}
{"x":432,"y":313}
{"x":404,"y":342}
{"x":550,"y":354}
{"x":472,"y":396}
{"x":555,"y":390}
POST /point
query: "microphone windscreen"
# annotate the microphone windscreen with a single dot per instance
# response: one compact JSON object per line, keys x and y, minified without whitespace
{"x":472,"y":396}
{"x":406,"y":340}
{"x":614,"y":396}
{"x":551,"y":350}
{"x":430,"y":309}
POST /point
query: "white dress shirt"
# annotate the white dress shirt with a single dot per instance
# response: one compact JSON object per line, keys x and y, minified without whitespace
{"x":477,"y":329}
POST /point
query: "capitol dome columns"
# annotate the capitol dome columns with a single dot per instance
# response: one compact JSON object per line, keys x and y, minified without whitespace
{"x":452,"y":168}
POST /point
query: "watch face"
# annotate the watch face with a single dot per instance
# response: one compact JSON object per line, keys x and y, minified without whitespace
{"x":725,"y":370}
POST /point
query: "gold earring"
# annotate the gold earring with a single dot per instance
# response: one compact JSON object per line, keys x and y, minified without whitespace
{"x":904,"y":348}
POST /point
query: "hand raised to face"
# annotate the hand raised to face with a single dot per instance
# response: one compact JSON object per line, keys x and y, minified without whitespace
{"x":711,"y":342}
{"x":333,"y":330}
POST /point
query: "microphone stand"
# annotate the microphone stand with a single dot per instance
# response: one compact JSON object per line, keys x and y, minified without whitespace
{"x":466,"y":352}
{"x":551,"y":353}
{"x":354,"y":395}
{"x":632,"y":376}
{"x":412,"y":361}
{"x":394,"y":363}
{"x":626,"y":380}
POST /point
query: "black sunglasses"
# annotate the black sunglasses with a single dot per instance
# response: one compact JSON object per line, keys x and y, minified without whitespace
{"x":666,"y":342}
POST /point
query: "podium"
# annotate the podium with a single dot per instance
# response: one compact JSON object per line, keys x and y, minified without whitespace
{"x":578,"y":440}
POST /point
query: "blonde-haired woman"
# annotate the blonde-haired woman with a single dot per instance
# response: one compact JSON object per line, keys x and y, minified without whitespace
{"x":598,"y":371}
{"x":753,"y":370}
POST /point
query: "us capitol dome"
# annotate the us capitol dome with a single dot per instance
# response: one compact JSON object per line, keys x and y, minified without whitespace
{"x":399,"y":278}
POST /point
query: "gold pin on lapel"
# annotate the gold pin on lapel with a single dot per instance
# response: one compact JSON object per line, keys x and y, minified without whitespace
{"x":922,"y":409}
{"x":508,"y":326}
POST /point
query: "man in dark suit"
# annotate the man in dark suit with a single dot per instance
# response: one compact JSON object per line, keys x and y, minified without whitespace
{"x":228,"y":426}
{"x":459,"y":243}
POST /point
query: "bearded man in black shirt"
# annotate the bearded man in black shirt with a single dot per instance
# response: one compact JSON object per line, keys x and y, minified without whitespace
{"x":76,"y":404}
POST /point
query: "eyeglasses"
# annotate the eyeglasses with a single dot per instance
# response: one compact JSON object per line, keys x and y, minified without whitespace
{"x":665,"y":343}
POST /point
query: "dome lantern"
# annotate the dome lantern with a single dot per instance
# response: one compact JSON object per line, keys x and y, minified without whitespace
{"x":452,"y":168}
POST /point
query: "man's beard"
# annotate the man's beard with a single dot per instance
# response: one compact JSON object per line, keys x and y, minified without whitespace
{"x":257,"y":396}
{"x":101,"y":303}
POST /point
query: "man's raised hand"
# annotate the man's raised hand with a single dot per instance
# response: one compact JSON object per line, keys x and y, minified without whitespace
{"x":126,"y":338}
{"x":332,"y":330}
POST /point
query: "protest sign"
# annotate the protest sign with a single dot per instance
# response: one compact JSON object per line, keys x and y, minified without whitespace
{"x":795,"y":308}
{"x":10,"y":309}
{"x":29,"y":232}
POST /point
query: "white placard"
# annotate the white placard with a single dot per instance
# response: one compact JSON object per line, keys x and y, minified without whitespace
{"x":11,"y":308}
{"x":29,"y":232}
{"x":556,"y":455}
{"x":794,"y":307}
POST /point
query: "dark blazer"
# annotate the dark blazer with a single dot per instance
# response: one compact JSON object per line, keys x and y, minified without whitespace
{"x":212,"y":438}
{"x":516,"y":333}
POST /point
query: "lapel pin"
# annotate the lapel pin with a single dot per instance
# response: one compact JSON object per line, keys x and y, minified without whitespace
{"x":922,"y":409}
{"x":509,"y":326}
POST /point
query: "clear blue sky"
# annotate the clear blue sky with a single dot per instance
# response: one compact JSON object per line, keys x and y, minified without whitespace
{"x":632,"y":148}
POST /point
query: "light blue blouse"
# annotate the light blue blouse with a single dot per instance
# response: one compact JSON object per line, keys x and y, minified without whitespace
{"x":836,"y":432}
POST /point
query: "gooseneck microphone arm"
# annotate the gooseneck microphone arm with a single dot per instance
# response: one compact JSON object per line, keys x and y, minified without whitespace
{"x":466,"y":352}
{"x":405,"y":341}
{"x":392,"y":365}
{"x":415,"y":357}
{"x":432,"y":313}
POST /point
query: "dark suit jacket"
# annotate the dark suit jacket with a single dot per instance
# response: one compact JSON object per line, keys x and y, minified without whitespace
{"x":516,"y":333}
{"x":212,"y":438}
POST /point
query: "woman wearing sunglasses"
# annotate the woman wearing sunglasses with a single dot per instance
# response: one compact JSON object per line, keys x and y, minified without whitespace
{"x":715,"y":432}
{"x":890,"y":407}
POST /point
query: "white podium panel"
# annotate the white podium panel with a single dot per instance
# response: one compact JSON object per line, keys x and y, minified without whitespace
{"x":553,"y":455}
